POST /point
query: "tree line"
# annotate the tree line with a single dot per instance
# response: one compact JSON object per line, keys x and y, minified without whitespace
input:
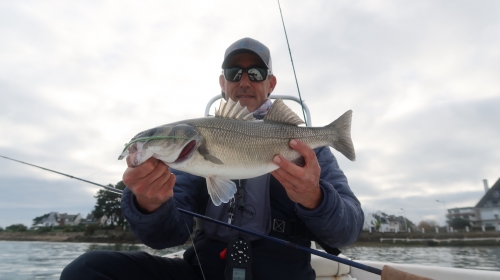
{"x":108,"y":203}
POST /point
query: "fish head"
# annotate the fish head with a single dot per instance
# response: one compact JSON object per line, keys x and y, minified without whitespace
{"x":171,"y":143}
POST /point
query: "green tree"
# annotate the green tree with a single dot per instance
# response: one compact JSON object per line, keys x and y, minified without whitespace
{"x":108,"y":203}
{"x":427,"y":225}
{"x":16,"y":227}
{"x":459,"y":223}
{"x":39,"y":219}
{"x":1,"y":229}
{"x":424,"y":225}
{"x":409,"y":224}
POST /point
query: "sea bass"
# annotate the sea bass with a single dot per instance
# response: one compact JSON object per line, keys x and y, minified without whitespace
{"x":234,"y":145}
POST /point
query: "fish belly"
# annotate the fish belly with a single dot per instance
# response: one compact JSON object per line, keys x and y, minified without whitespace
{"x":200,"y":167}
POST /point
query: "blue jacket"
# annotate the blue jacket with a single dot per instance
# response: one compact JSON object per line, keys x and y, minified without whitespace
{"x":336,"y":222}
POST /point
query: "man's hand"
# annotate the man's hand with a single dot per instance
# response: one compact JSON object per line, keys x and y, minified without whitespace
{"x":151,"y":182}
{"x":301,"y":183}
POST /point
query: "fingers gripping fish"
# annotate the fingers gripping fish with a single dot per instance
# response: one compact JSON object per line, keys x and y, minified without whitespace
{"x":234,"y":145}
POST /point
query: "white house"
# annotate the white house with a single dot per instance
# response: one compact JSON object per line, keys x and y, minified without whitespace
{"x":70,"y":220}
{"x":370,"y":222}
{"x":488,"y":207}
{"x":112,"y":220}
{"x":390,"y":226}
{"x":50,"y":221}
{"x":56,"y":219}
{"x":486,"y":212}
{"x":89,"y":220}
{"x":389,"y":223}
{"x":467,"y":213}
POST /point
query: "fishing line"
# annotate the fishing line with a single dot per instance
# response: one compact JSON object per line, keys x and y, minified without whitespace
{"x":195,"y":252}
{"x":99,"y":170}
{"x":135,"y":141}
{"x":152,"y":138}
{"x":270,"y":238}
{"x":111,"y":189}
{"x":293,"y":66}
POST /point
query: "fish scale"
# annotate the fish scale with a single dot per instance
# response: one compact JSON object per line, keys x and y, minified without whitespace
{"x":249,"y":138}
{"x":233,"y":145}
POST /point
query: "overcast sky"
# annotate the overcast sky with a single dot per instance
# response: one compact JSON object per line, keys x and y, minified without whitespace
{"x":78,"y":80}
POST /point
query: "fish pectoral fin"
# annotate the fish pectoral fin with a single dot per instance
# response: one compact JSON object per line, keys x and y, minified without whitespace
{"x":206,"y":155}
{"x":213,"y":159}
{"x":220,"y":189}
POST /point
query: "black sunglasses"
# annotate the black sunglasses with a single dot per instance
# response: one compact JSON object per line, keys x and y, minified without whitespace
{"x":255,"y":74}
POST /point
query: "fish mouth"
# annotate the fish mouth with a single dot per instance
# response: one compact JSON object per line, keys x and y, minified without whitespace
{"x":187,"y":151}
{"x":133,"y":148}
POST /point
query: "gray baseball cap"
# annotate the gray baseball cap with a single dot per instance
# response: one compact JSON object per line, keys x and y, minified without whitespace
{"x":248,"y":45}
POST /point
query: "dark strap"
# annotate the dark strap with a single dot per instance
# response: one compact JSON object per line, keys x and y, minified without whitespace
{"x":291,"y":228}
{"x":328,"y":249}
{"x":298,"y":229}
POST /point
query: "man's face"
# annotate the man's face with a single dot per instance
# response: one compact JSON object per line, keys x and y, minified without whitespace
{"x":248,"y":93}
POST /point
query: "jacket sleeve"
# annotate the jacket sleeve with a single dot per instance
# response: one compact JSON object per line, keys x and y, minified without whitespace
{"x":166,"y":227}
{"x":339,"y":219}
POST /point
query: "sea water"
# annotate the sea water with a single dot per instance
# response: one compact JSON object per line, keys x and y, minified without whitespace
{"x":471,"y":257}
{"x":22,"y":260}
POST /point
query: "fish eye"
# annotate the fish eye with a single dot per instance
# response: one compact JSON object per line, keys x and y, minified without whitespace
{"x":150,"y":132}
{"x":183,"y":131}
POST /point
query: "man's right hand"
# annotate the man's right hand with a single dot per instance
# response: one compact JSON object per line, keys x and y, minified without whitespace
{"x":151,"y":182}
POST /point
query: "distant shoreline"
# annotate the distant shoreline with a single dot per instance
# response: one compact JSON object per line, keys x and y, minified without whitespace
{"x":489,"y":238}
{"x":100,"y":236}
{"x":365,"y":239}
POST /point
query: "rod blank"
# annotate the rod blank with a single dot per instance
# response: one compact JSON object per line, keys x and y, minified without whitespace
{"x":274,"y":239}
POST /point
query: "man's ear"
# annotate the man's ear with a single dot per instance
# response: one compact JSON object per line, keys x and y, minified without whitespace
{"x":272,"y":84}
{"x":222,"y":83}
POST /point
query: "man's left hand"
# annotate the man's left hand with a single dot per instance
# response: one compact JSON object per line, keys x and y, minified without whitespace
{"x":301,"y":183}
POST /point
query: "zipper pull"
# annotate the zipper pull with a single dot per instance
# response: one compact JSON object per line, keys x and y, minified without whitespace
{"x":231,"y":215}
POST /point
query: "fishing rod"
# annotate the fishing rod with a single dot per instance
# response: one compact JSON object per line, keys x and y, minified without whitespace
{"x":117,"y":191}
{"x":291,"y":59}
{"x":288,"y":243}
{"x":263,"y":236}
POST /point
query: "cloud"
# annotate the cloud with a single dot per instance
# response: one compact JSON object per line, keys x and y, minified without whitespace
{"x":78,"y":80}
{"x":23,"y":198}
{"x":441,"y":152}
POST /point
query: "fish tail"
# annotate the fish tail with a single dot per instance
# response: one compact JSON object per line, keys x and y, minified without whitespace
{"x":343,"y":141}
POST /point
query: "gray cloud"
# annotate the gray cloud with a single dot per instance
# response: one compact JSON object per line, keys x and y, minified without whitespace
{"x":79,"y":80}
{"x":24,"y":199}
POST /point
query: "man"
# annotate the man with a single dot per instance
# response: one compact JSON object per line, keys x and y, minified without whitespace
{"x":299,"y":204}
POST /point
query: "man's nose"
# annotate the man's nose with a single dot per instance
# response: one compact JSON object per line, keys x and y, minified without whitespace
{"x":245,"y":81}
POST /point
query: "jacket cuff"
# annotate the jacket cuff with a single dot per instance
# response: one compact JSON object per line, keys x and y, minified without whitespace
{"x":135,"y":216}
{"x":326,"y":205}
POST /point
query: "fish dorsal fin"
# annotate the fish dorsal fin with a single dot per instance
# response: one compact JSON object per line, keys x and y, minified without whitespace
{"x":222,"y":105}
{"x":280,"y":113}
{"x":233,"y":110}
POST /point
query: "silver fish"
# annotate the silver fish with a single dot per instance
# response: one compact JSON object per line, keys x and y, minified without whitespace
{"x":234,"y":145}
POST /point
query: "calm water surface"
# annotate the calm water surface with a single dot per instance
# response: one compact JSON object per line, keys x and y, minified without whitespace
{"x":45,"y":260}
{"x":480,"y":257}
{"x":22,"y":260}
